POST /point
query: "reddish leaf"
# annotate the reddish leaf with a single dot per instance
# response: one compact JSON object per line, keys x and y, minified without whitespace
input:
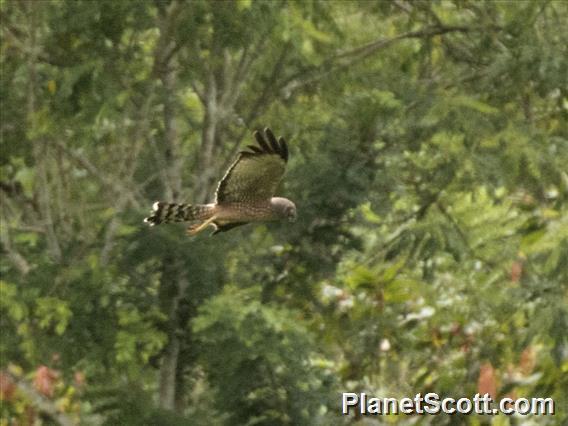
{"x":45,"y":379}
{"x":79,"y":377}
{"x":7,"y":387}
{"x":487,"y":382}
{"x":516,"y":271}
{"x":527,"y":361}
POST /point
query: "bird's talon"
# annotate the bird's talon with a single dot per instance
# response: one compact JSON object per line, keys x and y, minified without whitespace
{"x":192,"y":230}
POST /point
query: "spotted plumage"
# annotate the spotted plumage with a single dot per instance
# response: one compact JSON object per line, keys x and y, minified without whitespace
{"x":245,"y":193}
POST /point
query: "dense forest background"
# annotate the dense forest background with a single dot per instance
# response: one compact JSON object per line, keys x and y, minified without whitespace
{"x":429,"y":152}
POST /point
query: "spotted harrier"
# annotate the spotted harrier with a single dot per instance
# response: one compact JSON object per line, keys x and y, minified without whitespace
{"x":245,"y":193}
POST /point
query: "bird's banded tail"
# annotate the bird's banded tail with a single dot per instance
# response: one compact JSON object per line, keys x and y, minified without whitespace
{"x":174,"y":212}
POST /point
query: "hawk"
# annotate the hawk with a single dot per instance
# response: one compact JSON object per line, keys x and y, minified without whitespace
{"x":245,"y":193}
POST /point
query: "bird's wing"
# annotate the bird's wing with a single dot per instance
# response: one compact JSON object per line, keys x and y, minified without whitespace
{"x":256,"y":173}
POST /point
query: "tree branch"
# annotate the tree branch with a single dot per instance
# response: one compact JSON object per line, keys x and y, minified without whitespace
{"x":207,"y":139}
{"x":39,"y":401}
{"x":345,"y":59}
{"x":173,"y":275}
{"x":38,"y":146}
{"x":260,"y":101}
{"x":108,"y":182}
{"x":14,"y":256}
{"x":163,"y":56}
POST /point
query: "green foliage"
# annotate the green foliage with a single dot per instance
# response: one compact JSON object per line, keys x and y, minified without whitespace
{"x":429,"y":143}
{"x":131,"y":406}
{"x":259,"y":359}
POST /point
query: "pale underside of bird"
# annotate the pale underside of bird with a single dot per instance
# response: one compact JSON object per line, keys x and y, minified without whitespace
{"x":245,"y":194}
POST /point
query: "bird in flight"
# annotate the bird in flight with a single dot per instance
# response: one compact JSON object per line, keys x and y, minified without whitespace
{"x":245,"y":193}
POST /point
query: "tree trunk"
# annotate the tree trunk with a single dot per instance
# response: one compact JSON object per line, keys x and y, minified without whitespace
{"x":173,"y":288}
{"x":208,"y":138}
{"x":174,"y":280}
{"x":173,"y":158}
{"x":168,"y":374}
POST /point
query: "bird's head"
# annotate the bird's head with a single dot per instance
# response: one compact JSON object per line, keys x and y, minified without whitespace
{"x":284,"y":208}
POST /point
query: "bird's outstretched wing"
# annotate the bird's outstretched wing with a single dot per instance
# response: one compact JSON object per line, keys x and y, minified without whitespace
{"x":256,"y":173}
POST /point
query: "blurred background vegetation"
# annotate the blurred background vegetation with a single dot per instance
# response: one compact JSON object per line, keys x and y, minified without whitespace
{"x":429,"y":144}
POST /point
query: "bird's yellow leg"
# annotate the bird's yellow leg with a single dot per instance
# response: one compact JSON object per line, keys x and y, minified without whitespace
{"x":195,"y":229}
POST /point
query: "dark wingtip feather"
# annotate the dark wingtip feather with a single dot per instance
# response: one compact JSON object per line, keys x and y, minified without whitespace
{"x":283,"y":148}
{"x":260,"y":139}
{"x":268,"y":144}
{"x":272,"y":139}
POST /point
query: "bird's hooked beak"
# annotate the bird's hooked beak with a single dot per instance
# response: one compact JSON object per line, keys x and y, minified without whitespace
{"x":292,"y":217}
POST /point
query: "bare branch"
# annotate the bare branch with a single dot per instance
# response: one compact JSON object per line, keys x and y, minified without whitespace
{"x":261,"y":101}
{"x":13,"y":255}
{"x":110,"y":233}
{"x":403,"y":6}
{"x":244,"y":62}
{"x":352,"y":56}
{"x":108,"y":182}
{"x":199,"y":91}
{"x":166,"y":47}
